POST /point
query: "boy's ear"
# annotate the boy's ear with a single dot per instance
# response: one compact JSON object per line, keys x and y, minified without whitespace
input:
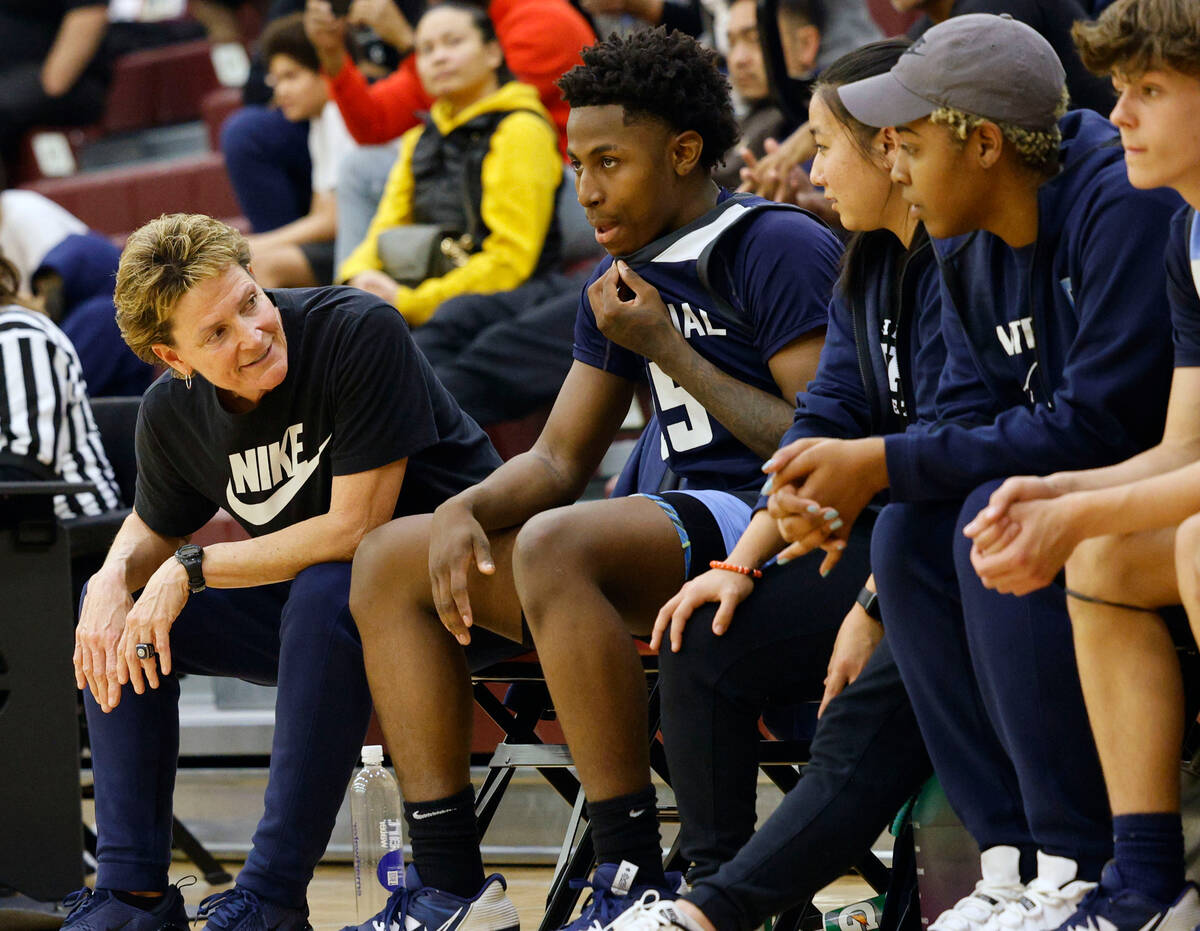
{"x":685,"y":151}
{"x":887,"y":142}
{"x":986,"y":143}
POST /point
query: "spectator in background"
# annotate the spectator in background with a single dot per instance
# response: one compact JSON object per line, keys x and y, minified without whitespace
{"x":484,"y":167}
{"x":762,"y":120}
{"x":50,"y":435}
{"x":30,"y":226}
{"x":74,"y":286}
{"x":541,"y":40}
{"x":51,"y":67}
{"x":299,"y":254}
{"x":777,"y":176}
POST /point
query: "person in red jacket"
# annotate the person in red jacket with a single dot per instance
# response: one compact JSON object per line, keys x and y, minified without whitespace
{"x":541,"y":40}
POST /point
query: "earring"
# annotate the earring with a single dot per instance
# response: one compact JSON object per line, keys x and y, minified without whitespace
{"x":187,"y":381}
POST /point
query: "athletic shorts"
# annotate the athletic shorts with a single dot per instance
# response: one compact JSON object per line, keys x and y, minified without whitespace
{"x":709,"y":523}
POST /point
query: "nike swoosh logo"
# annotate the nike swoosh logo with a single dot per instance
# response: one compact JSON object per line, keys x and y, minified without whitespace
{"x":266,"y":511}
{"x":636,"y":812}
{"x":422,"y":815}
{"x":450,"y":921}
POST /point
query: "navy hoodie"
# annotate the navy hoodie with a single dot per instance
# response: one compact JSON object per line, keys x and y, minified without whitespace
{"x":1059,"y":353}
{"x":87,"y":264}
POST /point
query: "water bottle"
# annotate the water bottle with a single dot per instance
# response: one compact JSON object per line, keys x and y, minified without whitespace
{"x":376,"y":832}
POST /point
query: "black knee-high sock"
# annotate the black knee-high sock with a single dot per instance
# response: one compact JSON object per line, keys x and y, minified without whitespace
{"x":445,"y":843}
{"x":626,"y":828}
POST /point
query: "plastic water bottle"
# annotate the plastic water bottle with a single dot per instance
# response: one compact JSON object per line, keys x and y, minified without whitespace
{"x":377,"y":834}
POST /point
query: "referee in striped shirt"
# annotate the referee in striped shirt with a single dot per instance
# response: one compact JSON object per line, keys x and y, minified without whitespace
{"x":46,"y":427}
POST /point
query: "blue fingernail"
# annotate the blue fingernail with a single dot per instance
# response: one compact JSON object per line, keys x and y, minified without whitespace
{"x":831,"y":514}
{"x":824,"y":572}
{"x":835,"y":525}
{"x":766,"y":489}
{"x":783,"y":560}
{"x":766,"y":466}
{"x":813,"y":508}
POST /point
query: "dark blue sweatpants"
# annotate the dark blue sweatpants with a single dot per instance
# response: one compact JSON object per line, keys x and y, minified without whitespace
{"x":993,"y":681}
{"x":297,"y":635}
{"x":269,"y":166}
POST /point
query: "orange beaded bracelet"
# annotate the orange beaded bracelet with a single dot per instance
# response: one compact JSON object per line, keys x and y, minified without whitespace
{"x":730,"y":567}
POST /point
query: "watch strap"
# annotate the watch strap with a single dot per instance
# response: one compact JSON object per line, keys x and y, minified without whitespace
{"x":870,"y":603}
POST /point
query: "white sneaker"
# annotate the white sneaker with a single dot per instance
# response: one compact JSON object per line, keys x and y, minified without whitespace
{"x":652,"y":913}
{"x":1048,"y":901}
{"x":1001,"y":884}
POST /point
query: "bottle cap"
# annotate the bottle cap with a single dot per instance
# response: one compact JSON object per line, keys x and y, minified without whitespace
{"x":372,"y":755}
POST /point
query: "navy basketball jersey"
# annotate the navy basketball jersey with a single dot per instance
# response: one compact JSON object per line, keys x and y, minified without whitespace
{"x":740,"y":283}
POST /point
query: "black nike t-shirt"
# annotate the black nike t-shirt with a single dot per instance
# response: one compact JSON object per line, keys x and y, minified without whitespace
{"x":358,"y":395}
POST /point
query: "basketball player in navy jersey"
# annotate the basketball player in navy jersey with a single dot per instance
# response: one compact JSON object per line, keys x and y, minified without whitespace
{"x":719,"y":301}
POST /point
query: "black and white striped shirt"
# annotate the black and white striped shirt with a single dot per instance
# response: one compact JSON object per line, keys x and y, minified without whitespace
{"x":46,"y":423}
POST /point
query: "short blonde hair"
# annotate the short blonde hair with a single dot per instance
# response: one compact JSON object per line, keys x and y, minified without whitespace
{"x":162,"y":261}
{"x":1037,"y":148}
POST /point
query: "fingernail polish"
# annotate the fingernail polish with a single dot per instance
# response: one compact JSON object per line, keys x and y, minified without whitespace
{"x":831,"y":514}
{"x":813,"y":508}
{"x":824,"y":572}
{"x":783,"y":560}
{"x":766,"y":488}
{"x":835,"y":525}
{"x":768,"y":465}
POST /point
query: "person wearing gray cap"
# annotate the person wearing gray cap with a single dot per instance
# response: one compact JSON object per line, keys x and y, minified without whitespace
{"x":1058,"y":349}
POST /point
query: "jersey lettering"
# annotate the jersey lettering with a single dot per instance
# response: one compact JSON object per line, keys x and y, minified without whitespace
{"x":692,"y":433}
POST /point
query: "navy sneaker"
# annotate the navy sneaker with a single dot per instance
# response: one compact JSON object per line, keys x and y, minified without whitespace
{"x":416,"y":907}
{"x":1112,"y":907}
{"x":614,"y":891}
{"x":100,"y":910}
{"x":239,"y":909}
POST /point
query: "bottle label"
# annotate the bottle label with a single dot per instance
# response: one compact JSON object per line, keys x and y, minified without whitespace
{"x":391,"y":869}
{"x":861,"y":916}
{"x":391,"y":834}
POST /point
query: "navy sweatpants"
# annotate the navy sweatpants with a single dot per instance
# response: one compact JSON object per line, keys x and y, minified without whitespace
{"x":993,"y":681}
{"x":866,"y":757}
{"x":297,"y":635}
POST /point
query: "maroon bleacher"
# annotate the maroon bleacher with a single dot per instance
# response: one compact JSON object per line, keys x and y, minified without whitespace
{"x":154,"y":87}
{"x":122,"y":199}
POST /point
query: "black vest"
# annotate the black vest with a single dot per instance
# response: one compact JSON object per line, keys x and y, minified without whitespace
{"x":448,"y":184}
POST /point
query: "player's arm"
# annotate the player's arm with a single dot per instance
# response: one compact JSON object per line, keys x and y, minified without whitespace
{"x":758,"y":418}
{"x":585,"y":417}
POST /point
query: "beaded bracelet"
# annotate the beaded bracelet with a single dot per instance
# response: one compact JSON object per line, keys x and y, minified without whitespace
{"x":730,"y":567}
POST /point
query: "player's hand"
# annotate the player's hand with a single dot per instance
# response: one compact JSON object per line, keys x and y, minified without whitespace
{"x":992,"y":528}
{"x":630,"y":312}
{"x":842,"y":475}
{"x":728,"y":589}
{"x":1040,"y":535}
{"x":101,"y":621}
{"x":373,"y":281}
{"x":805,"y":525}
{"x":385,"y":18}
{"x":857,"y":639}
{"x":457,"y":543}
{"x":150,"y":621}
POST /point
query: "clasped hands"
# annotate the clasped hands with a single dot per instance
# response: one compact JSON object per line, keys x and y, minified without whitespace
{"x":816,"y":489}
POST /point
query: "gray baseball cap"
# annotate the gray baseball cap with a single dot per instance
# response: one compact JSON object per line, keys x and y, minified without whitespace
{"x":991,"y":66}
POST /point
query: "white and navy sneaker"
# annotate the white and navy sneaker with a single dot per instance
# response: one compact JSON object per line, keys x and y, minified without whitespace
{"x":1111,"y":907}
{"x":1047,"y":901}
{"x":415,"y":907}
{"x":100,"y":910}
{"x":239,"y":909}
{"x":651,"y":913}
{"x":614,"y":890}
{"x":1000,"y":885}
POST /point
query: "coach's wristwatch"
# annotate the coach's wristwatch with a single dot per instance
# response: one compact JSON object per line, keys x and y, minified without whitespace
{"x":191,"y":556}
{"x":870,"y":603}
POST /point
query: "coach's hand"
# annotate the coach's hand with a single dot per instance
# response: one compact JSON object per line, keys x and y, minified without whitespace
{"x":857,"y":639}
{"x":150,"y":621}
{"x":97,"y":635}
{"x":630,"y":311}
{"x":456,"y":542}
{"x":805,"y":525}
{"x":728,"y":589}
